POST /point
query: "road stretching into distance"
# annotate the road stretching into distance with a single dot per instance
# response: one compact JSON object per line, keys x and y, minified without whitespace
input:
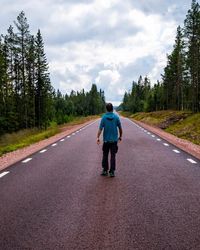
{"x":56,"y":198}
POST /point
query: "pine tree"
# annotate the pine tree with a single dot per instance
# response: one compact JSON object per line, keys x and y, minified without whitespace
{"x":3,"y":80}
{"x":43,"y":89}
{"x":93,"y":100}
{"x":174,"y":75}
{"x":22,"y":41}
{"x":173,"y":78}
{"x":125,"y":102}
{"x":30,"y":69}
{"x":192,"y":34}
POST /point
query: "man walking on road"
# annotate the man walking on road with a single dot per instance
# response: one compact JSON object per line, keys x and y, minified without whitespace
{"x":110,"y":124}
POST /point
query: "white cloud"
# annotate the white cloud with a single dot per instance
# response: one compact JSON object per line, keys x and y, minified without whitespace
{"x":154,"y":35}
{"x":107,"y":78}
{"x":110,"y":42}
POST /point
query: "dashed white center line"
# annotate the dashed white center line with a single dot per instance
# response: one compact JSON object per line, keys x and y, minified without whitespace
{"x":176,"y":151}
{"x":73,"y":134}
{"x":4,"y":173}
{"x":62,"y":139}
{"x":158,"y":139}
{"x":26,"y":160}
{"x":166,"y":144}
{"x":42,"y":151}
{"x":153,"y":135}
{"x":192,"y":161}
{"x":53,"y":145}
{"x":148,"y":133}
{"x":68,"y":136}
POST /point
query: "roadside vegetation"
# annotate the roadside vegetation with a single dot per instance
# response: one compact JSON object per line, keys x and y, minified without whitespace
{"x":183,"y":124}
{"x":30,"y":108}
{"x":26,"y":137}
{"x":173,"y":102}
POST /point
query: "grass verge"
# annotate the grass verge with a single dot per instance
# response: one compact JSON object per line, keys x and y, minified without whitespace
{"x":183,"y":124}
{"x":26,"y":137}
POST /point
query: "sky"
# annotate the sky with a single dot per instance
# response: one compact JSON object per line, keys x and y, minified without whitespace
{"x":107,"y":42}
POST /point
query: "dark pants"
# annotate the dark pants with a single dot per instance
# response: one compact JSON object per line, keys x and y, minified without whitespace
{"x":113,"y":148}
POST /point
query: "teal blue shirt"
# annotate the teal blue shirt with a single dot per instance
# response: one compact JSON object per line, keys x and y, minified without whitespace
{"x":110,"y":123}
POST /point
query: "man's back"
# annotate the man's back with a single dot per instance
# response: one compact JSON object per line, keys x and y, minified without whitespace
{"x":110,"y":122}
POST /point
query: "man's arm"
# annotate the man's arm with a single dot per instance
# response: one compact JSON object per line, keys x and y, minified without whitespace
{"x":98,"y":135}
{"x":101,"y":126}
{"x":120,"y":133}
{"x":120,"y":129}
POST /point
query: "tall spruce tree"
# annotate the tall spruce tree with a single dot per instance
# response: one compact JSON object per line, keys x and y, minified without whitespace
{"x":173,"y":78}
{"x":192,"y":34}
{"x":31,"y":79}
{"x":43,"y":89}
{"x":21,"y":43}
{"x":3,"y":80}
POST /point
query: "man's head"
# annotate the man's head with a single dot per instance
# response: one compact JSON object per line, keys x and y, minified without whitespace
{"x":109,"y":107}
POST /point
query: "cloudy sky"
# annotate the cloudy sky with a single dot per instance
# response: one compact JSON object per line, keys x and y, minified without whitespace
{"x":107,"y":42}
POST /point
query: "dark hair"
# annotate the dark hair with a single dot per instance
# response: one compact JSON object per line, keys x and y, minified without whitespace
{"x":109,"y":107}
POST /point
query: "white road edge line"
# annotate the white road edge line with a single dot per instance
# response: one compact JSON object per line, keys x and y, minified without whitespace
{"x":165,"y":144}
{"x":176,"y":151}
{"x":26,"y":160}
{"x":68,"y":136}
{"x":53,"y":145}
{"x":4,"y":173}
{"x":62,"y":139}
{"x":192,"y":161}
{"x":42,"y":151}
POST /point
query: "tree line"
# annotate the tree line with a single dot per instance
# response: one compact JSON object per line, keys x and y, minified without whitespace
{"x":27,"y":98}
{"x":78,"y":103}
{"x":179,"y":88}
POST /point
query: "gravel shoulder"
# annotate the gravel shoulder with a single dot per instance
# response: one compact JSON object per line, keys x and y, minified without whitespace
{"x":185,"y":145}
{"x":12,"y":157}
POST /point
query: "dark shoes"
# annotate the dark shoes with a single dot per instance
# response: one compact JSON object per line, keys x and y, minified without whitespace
{"x":112,"y":174}
{"x":105,"y":173}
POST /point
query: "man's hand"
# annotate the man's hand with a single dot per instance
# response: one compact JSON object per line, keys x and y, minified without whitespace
{"x":98,"y":135}
{"x":120,"y":139}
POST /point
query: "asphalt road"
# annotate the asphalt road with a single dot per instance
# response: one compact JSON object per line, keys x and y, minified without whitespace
{"x":56,"y":198}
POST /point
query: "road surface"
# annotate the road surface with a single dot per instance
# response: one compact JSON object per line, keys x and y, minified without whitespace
{"x":56,"y":198}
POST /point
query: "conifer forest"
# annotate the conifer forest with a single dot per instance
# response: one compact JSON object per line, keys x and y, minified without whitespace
{"x":179,"y":87}
{"x":27,"y":97}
